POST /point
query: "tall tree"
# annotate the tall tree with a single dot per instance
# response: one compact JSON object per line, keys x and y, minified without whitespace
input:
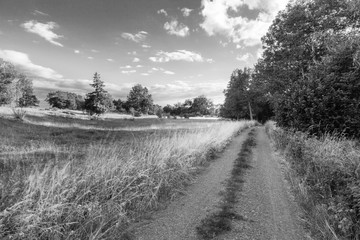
{"x":140,"y":99}
{"x":99,"y":101}
{"x":237,"y":95}
{"x":200,"y":105}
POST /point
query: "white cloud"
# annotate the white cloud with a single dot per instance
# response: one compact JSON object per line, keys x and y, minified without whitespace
{"x":94,"y":50}
{"x":128,"y":71}
{"x":37,"y":12}
{"x":132,"y":53}
{"x":138,"y":37}
{"x":145,"y":74}
{"x":145,"y":46}
{"x":162,"y":11}
{"x":126,"y":67}
{"x":91,"y":58}
{"x":180,"y":55}
{"x":76,"y":51}
{"x":186,"y":11}
{"x":244,"y":57}
{"x":44,"y":30}
{"x":217,"y":19}
{"x":22,"y":61}
{"x":139,"y":66}
{"x":110,"y":60}
{"x":169,"y":72}
{"x":135,"y":60}
{"x":175,"y":28}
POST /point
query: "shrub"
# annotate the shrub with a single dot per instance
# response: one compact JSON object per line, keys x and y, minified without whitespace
{"x":19,"y":113}
{"x":327,"y":170}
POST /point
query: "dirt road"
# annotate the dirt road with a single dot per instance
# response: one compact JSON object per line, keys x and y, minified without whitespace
{"x":265,"y":201}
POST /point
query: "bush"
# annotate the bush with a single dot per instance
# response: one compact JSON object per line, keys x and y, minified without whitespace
{"x":19,"y":113}
{"x":328,"y":173}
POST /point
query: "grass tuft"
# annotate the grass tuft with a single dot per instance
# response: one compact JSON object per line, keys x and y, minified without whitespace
{"x":220,"y":221}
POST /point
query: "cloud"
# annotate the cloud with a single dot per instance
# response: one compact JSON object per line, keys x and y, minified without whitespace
{"x":91,"y":58}
{"x":169,"y":72}
{"x":110,"y":60}
{"x":37,"y":13}
{"x":128,"y":71}
{"x":139,"y":66}
{"x":162,"y":11}
{"x":76,"y":51}
{"x":23,"y":62}
{"x":186,"y":11}
{"x":44,"y":30}
{"x":126,"y":67}
{"x":135,"y":60}
{"x":145,"y":46}
{"x":244,"y":57}
{"x":219,"y":17}
{"x":180,"y":55}
{"x":180,"y":90}
{"x":175,"y":28}
{"x":145,"y":74}
{"x":138,"y":37}
{"x":94,"y":50}
{"x":132,"y":53}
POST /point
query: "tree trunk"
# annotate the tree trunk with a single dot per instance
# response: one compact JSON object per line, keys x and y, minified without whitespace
{"x":251,"y":116}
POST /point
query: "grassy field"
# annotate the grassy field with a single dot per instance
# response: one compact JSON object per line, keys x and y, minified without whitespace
{"x":325,"y":175}
{"x":71,"y":178}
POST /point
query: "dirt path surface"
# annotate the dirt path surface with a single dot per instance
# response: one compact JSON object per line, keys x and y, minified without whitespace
{"x":179,"y":220}
{"x":265,"y":201}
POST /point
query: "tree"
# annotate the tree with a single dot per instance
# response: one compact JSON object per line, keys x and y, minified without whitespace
{"x":308,"y":80}
{"x":200,"y":105}
{"x":237,"y":95}
{"x":120,"y":106}
{"x":15,"y":87}
{"x":99,"y":101}
{"x":140,"y":99}
{"x":65,"y":100}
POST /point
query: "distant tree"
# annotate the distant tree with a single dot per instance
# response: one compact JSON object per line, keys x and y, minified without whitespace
{"x":99,"y":101}
{"x":200,"y":105}
{"x":65,"y":100}
{"x":140,"y":99}
{"x":25,"y":96}
{"x":167,"y":109}
{"x":120,"y":106}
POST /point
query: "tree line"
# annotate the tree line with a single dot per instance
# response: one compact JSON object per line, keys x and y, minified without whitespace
{"x":309,"y":75}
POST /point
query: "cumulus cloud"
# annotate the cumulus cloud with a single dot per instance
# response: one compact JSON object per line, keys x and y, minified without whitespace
{"x":23,"y":62}
{"x":94,"y":50}
{"x":128,"y":71}
{"x":91,"y":58}
{"x":162,"y":11}
{"x":145,"y":46}
{"x":186,"y":11}
{"x":244,"y":57}
{"x":219,"y":17}
{"x":180,"y":55}
{"x":76,"y":51}
{"x":110,"y":60}
{"x":126,"y":67}
{"x":138,"y":37}
{"x":176,"y":28}
{"x":44,"y":30}
{"x":135,"y":60}
{"x":169,"y":72}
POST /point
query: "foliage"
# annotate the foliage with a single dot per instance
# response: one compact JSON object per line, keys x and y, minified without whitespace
{"x":310,"y":66}
{"x":15,"y":87}
{"x":327,"y":180}
{"x":120,"y":106}
{"x":65,"y":100}
{"x":140,"y":99}
{"x":200,"y":105}
{"x":19,"y":113}
{"x":99,"y":101}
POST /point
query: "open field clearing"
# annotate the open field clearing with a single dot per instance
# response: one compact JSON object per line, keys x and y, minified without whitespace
{"x":69,"y":183}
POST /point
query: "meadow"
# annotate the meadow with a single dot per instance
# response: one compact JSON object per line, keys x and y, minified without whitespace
{"x":72,"y":178}
{"x":325,"y":175}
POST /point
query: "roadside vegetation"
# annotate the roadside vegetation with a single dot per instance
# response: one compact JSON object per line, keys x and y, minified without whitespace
{"x":325,"y":175}
{"x":53,"y":187}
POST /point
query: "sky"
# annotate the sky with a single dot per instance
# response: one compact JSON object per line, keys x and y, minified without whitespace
{"x":178,"y":49}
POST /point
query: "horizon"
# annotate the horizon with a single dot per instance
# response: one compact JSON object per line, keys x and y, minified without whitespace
{"x":178,"y":50}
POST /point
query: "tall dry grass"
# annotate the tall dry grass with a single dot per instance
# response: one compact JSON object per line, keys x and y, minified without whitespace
{"x":325,"y":174}
{"x":111,"y":186}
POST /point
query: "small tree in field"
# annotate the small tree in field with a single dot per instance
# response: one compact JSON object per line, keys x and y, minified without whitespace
{"x":99,"y":101}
